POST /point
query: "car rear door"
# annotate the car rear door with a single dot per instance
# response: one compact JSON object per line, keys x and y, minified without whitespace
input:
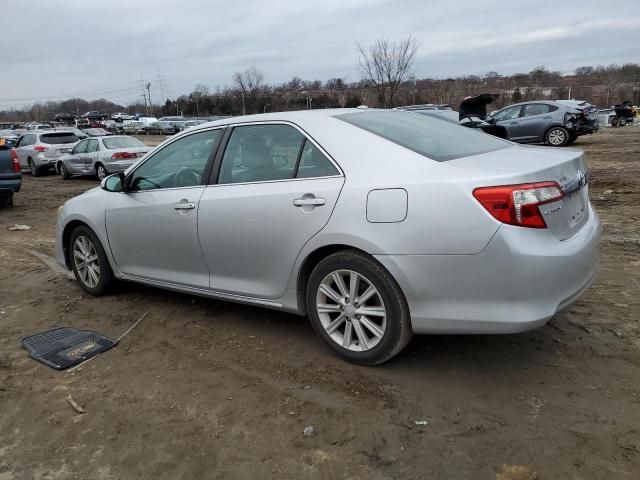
{"x":152,"y":227}
{"x":91,"y":156}
{"x":535,"y":120}
{"x":275,"y":190}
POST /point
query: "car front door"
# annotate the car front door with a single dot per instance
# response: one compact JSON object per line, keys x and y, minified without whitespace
{"x":535,"y":120}
{"x":75,"y":162}
{"x":152,"y":225}
{"x":91,"y":156}
{"x":275,"y":190}
{"x":510,"y":119}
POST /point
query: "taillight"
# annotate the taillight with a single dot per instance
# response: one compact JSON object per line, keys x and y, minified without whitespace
{"x":518,"y":204}
{"x":40,"y":148}
{"x":15,"y":162}
{"x":121,"y":155}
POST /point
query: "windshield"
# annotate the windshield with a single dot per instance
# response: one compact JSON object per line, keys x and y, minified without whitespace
{"x":58,"y":138}
{"x":122,"y":142}
{"x":428,"y":136}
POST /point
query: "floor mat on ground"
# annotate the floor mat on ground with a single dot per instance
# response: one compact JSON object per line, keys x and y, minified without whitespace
{"x":65,"y":347}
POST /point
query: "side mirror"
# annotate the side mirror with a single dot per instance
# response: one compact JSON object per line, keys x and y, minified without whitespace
{"x":113,"y":183}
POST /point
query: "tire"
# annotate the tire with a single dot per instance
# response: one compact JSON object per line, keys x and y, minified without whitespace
{"x":101,"y":171}
{"x":388,"y":325}
{"x":83,"y":244}
{"x":64,"y":173}
{"x":623,"y":122}
{"x":35,"y":171}
{"x":572,"y":138}
{"x":557,"y":137}
{"x":6,"y":200}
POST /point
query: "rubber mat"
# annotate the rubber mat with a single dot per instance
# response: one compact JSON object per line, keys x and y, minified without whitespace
{"x":65,"y":347}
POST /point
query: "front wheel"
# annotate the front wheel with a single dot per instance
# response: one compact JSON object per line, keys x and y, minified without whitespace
{"x":89,"y":262}
{"x":101,"y":172}
{"x":557,"y":137}
{"x":357,"y":309}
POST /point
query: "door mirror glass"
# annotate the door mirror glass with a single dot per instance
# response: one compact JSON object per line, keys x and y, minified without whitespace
{"x":113,"y":183}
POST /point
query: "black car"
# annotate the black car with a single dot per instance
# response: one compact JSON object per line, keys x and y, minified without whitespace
{"x":94,"y":115}
{"x":64,"y":117}
{"x":10,"y":176}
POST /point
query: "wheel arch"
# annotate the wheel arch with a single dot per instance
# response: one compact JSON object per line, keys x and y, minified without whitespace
{"x":316,"y":256}
{"x":66,"y":236}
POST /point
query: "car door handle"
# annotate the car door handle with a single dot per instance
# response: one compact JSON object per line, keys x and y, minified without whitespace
{"x":184,"y":205}
{"x":513,"y":123}
{"x":313,"y":201}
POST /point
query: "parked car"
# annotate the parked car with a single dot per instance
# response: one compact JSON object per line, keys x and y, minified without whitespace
{"x":10,"y":176}
{"x":556,"y":123}
{"x":10,"y":137}
{"x":133,"y":127}
{"x":160,"y":128}
{"x":76,"y":131}
{"x":122,"y":116}
{"x":96,"y":132}
{"x":101,"y":156}
{"x":65,"y":117}
{"x":94,"y":115}
{"x":606,"y":117}
{"x":39,"y":151}
{"x":377,"y":224}
{"x":38,"y":126}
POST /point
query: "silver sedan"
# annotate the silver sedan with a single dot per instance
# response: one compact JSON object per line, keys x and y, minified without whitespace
{"x":375,"y":224}
{"x":101,"y":156}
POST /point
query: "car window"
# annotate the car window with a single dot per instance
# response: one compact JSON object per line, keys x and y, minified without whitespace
{"x":313,"y":163}
{"x":179,"y":164}
{"x":92,"y":146}
{"x":259,"y":153}
{"x":80,"y":148}
{"x":507,"y":114}
{"x":428,"y":136}
{"x":537,"y":109}
{"x":58,"y":138}
{"x":121,"y":142}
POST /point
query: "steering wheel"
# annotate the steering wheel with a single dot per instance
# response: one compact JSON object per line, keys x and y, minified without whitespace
{"x":187,"y":177}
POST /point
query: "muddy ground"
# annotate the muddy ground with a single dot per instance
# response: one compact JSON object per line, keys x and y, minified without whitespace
{"x":206,"y":389}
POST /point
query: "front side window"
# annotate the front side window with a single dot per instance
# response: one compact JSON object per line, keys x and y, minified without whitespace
{"x":80,"y":148}
{"x":259,"y":153}
{"x":507,"y":114}
{"x":428,"y":136}
{"x":92,"y":146}
{"x":178,"y":165}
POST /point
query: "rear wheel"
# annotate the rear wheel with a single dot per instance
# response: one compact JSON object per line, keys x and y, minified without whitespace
{"x":557,"y":137}
{"x":64,"y":173}
{"x":6,"y":200}
{"x":101,"y":171}
{"x":35,"y":171}
{"x":357,"y":309}
{"x":89,"y":262}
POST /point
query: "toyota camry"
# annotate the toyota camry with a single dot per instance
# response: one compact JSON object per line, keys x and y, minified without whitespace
{"x":375,"y":224}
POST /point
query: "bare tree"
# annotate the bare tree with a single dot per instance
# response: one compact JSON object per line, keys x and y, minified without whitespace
{"x":386,"y":65}
{"x":249,"y":83}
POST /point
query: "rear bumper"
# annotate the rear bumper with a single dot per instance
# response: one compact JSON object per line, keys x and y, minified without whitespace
{"x":10,"y":183}
{"x":521,"y":280}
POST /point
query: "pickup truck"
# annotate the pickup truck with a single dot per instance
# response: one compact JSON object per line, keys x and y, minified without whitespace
{"x":10,"y":176}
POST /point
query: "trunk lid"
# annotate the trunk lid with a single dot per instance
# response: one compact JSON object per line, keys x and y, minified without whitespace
{"x":525,"y":164}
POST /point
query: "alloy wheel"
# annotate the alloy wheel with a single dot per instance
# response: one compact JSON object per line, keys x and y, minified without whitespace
{"x":557,"y":136}
{"x":101,"y":171}
{"x":351,"y":310}
{"x":87,"y":263}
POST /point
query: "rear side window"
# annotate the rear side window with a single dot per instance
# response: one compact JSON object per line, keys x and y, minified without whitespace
{"x":58,"y":138}
{"x":538,"y":109}
{"x":121,"y":142}
{"x":431,"y":137}
{"x":313,"y":163}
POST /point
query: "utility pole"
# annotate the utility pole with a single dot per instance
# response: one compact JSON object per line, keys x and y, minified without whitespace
{"x":149,"y":95}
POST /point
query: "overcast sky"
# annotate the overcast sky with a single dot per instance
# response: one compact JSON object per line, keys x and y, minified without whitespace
{"x":56,"y":49}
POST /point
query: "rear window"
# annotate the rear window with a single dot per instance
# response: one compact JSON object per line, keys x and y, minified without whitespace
{"x":428,"y":136}
{"x":122,"y":142}
{"x":59,"y":138}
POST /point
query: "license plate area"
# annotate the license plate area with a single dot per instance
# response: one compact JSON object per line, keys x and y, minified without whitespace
{"x":576,"y":206}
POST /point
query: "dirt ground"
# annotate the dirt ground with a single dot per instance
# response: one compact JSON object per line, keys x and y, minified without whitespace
{"x":203,"y":389}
